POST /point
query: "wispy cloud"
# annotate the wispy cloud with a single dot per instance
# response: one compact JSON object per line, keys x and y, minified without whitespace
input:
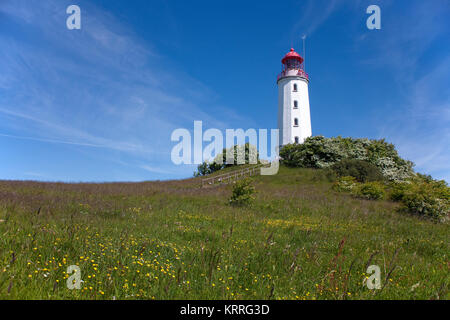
{"x":51,"y":141}
{"x":156,"y":169}
{"x":314,"y":13}
{"x":420,"y":125}
{"x":101,"y":86}
{"x":35,"y":175}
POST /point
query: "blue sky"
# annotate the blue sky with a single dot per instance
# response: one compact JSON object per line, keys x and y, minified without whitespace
{"x":100,"y":103}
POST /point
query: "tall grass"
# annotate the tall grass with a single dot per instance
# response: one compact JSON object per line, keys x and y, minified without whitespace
{"x":173,"y":240}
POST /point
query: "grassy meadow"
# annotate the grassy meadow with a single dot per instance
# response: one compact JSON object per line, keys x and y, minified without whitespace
{"x":174,"y":240}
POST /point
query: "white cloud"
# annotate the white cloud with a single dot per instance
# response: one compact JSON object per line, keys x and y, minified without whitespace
{"x":419,"y":126}
{"x":313,"y":14}
{"x":101,"y":86}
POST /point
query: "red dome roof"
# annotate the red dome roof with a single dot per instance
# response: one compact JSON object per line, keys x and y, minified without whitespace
{"x":292,"y":55}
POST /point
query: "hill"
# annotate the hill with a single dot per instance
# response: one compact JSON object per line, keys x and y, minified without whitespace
{"x":174,"y":240}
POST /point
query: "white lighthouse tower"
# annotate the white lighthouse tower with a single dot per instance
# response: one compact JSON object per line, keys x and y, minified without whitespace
{"x":294,"y":120}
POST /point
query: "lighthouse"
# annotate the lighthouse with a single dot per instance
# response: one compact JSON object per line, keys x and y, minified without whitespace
{"x":294,"y":120}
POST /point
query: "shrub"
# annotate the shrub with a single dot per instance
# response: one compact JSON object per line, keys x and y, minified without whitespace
{"x":423,"y":196}
{"x":345,"y":184}
{"x":427,"y":204}
{"x":370,"y":191}
{"x":361,"y":170}
{"x":398,"y":190}
{"x":249,"y":152}
{"x":207,"y":168}
{"x":202,"y":169}
{"x":320,"y":152}
{"x":250,"y":155}
{"x":243,"y":192}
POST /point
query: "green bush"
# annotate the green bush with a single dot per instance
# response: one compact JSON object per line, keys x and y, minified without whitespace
{"x":345,"y":184}
{"x":250,"y":153}
{"x":398,"y":190}
{"x":427,"y":204}
{"x":370,"y":191}
{"x":250,"y":156}
{"x":320,"y":152}
{"x":362,"y":171}
{"x":243,"y":193}
{"x":423,"y":196}
{"x":207,"y":168}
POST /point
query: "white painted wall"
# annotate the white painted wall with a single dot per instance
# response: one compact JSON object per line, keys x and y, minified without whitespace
{"x":287,"y":113}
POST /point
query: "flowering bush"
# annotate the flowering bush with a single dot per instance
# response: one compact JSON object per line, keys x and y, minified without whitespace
{"x":426,"y":204}
{"x":243,"y":192}
{"x":423,"y":196}
{"x":207,"y":168}
{"x":249,"y":152}
{"x":370,"y":191}
{"x":321,"y":152}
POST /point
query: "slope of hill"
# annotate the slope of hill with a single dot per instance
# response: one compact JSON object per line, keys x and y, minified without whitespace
{"x":173,"y":240}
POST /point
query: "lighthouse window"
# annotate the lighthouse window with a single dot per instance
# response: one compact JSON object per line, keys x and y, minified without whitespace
{"x":295,"y":104}
{"x":296,"y":139}
{"x":295,"y":122}
{"x":295,"y":87}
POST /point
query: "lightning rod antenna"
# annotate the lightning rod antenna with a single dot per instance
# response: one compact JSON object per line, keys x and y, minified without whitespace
{"x":304,"y":51}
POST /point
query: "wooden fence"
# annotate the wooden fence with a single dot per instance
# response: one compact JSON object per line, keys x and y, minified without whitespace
{"x":233,"y":175}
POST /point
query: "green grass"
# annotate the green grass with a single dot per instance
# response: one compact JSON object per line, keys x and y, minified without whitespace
{"x":173,"y":240}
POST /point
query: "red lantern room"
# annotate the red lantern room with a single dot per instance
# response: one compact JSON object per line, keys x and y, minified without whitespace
{"x":292,"y":65}
{"x":292,"y":60}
